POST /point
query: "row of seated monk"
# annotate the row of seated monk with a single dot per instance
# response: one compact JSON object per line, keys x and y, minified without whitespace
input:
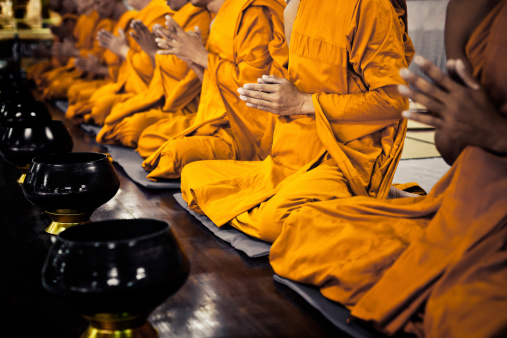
{"x":287,"y":121}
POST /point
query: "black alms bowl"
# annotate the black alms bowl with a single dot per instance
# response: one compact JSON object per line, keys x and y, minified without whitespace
{"x":23,"y":112}
{"x":22,"y":142}
{"x":71,"y":182}
{"x":115,"y":267}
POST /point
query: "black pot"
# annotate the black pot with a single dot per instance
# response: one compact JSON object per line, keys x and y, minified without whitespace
{"x":22,"y":142}
{"x":23,"y":112}
{"x":114,"y":271}
{"x":77,"y":182}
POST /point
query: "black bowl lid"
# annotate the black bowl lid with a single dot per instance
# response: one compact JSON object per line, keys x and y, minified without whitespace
{"x":114,"y":231}
{"x":70,"y":158}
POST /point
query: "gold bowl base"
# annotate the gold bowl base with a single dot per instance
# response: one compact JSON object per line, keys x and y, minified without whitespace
{"x":23,"y":170}
{"x":62,"y":221}
{"x":119,"y":326}
{"x":21,"y":179}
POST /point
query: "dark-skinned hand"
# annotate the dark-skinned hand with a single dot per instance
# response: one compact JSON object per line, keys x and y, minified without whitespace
{"x":458,"y":107}
{"x":144,"y":38}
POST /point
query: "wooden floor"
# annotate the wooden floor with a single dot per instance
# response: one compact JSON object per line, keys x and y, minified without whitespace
{"x":226,"y":295}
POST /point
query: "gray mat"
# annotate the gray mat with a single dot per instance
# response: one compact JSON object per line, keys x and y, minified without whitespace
{"x":62,"y":105}
{"x":252,"y":247}
{"x":426,"y":172}
{"x":334,"y":312}
{"x":89,"y":128}
{"x":131,"y":162}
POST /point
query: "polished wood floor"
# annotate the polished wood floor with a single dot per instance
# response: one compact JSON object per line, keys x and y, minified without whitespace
{"x":226,"y":295}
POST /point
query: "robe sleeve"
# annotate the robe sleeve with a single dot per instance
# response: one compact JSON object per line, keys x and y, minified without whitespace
{"x":376,"y":54}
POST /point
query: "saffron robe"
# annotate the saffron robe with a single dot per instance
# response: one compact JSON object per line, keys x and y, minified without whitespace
{"x":57,"y":86}
{"x":173,"y":91}
{"x":441,"y":258}
{"x":82,"y":89}
{"x":240,"y":51}
{"x":349,"y":60}
{"x":134,"y":75}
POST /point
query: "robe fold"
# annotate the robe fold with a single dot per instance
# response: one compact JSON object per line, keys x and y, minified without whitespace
{"x":173,"y":91}
{"x":134,"y":74}
{"x":349,"y":60}
{"x":240,"y":51}
{"x":57,"y":86}
{"x":432,"y":266}
{"x":82,"y":89}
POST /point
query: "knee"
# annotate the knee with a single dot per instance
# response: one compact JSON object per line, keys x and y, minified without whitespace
{"x":275,"y":211}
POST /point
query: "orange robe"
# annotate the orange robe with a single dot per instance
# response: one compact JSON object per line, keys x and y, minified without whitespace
{"x":35,"y":72}
{"x":57,"y":86}
{"x":173,"y":91}
{"x":82,"y":89}
{"x":240,"y":51}
{"x":434,"y":266}
{"x":350,"y":58}
{"x":134,"y":75}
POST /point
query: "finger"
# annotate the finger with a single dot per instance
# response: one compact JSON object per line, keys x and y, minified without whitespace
{"x":421,"y":98}
{"x":258,"y":101}
{"x":163,"y":44}
{"x":274,"y":79}
{"x":263,"y":108}
{"x":466,"y":75}
{"x":434,"y":73}
{"x":170,"y":22}
{"x":134,"y":26}
{"x":267,"y":88}
{"x":121,"y":33}
{"x":165,"y":52}
{"x":256,"y":95}
{"x":428,"y":119}
{"x":423,"y":86}
{"x":261,"y":81}
{"x":198,"y":31}
{"x":135,"y":37}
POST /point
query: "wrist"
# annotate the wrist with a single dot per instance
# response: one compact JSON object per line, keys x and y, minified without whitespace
{"x":497,"y":141}
{"x":307,"y":104}
{"x":124,"y":50}
{"x":202,"y":60}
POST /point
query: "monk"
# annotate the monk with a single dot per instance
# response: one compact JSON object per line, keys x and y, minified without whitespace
{"x":239,"y":50}
{"x":136,"y":70}
{"x":61,"y":32}
{"x":435,"y":265}
{"x":57,"y":81}
{"x":105,"y":70}
{"x":339,"y":131}
{"x":173,"y":91}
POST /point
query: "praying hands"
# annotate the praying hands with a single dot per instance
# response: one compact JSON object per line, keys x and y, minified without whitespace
{"x":64,"y":49}
{"x":144,"y":38}
{"x":459,"y":108}
{"x":277,"y":96}
{"x":188,"y":46}
{"x":116,"y":44}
